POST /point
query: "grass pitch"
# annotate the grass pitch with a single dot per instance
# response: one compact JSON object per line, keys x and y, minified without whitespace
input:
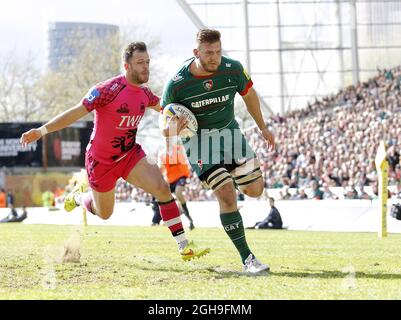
{"x":143,"y":263}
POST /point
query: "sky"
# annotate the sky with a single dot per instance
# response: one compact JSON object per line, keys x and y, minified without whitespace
{"x":23,"y":23}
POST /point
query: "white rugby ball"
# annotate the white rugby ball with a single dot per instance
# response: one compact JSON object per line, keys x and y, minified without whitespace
{"x":179,"y":110}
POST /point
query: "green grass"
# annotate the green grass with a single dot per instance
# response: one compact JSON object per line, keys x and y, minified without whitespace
{"x":143,"y":263}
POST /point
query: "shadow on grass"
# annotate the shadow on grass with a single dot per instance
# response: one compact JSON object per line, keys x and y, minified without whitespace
{"x":336,"y":275}
{"x":223,"y":274}
{"x":218,"y":273}
{"x":214,"y":272}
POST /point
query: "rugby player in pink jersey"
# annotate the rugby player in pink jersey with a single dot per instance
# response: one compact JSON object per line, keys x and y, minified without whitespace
{"x":112,"y":152}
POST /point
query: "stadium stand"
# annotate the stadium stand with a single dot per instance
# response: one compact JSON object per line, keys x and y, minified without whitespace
{"x":332,"y":141}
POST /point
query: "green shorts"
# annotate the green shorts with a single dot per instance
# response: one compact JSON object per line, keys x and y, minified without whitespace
{"x":220,"y":149}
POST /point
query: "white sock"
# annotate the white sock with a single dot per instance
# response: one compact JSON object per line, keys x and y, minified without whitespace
{"x":181,"y":244}
{"x":77,"y":199}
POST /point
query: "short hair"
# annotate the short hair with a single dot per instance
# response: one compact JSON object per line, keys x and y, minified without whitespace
{"x":271,"y":199}
{"x":131,"y":48}
{"x":208,"y":36}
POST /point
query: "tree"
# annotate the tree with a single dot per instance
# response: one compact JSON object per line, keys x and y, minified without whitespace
{"x":94,"y":61}
{"x":26,"y":94}
{"x":19,"y":82}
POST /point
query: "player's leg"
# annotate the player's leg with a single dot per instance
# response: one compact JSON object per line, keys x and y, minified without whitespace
{"x":97,"y":203}
{"x":179,"y":192}
{"x":148,"y":177}
{"x":95,"y":195}
{"x":156,"y":212}
{"x":102,"y":203}
{"x":216,"y":177}
{"x":246,"y":167}
{"x":249,"y":178}
{"x":220,"y":181}
{"x":231,"y":218}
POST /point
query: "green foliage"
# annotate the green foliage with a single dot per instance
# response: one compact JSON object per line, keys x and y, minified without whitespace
{"x":94,"y":61}
{"x":143,"y":263}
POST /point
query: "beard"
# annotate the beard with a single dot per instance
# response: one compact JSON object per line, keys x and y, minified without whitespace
{"x":209,"y":67}
{"x":139,"y":78}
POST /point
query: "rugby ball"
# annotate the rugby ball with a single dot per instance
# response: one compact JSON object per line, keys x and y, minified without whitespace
{"x":179,"y":110}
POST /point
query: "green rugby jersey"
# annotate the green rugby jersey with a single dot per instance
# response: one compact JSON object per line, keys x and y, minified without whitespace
{"x":210,"y":98}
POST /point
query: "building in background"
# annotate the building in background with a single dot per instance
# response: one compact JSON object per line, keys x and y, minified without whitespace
{"x":65,"y":39}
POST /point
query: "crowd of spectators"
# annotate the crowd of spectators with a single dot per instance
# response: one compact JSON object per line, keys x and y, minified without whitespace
{"x":331,"y":143}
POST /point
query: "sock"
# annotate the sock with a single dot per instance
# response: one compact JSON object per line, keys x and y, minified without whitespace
{"x":85,"y":200}
{"x":234,"y":227}
{"x":186,"y":212}
{"x":171,"y":217}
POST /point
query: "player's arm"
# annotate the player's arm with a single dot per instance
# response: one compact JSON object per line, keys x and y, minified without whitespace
{"x":59,"y":122}
{"x":181,"y":123}
{"x":161,"y":164}
{"x":163,"y":170}
{"x":175,"y":124}
{"x":156,"y":107}
{"x":252,"y":103}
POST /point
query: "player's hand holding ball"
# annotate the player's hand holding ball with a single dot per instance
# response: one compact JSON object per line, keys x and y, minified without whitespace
{"x":178,"y":120}
{"x":175,"y":125}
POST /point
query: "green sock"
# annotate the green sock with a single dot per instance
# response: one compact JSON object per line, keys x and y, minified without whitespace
{"x":232,"y":223}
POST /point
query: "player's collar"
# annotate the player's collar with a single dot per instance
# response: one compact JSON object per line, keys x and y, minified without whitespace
{"x":133,"y":86}
{"x":200,"y":77}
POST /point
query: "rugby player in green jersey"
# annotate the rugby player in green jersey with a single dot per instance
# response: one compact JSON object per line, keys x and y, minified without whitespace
{"x":219,"y":154}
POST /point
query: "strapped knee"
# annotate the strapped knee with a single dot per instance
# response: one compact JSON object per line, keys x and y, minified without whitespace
{"x":217,"y":178}
{"x":247,"y":173}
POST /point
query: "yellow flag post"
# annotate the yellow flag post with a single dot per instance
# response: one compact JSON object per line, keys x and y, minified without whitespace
{"x":382,"y":170}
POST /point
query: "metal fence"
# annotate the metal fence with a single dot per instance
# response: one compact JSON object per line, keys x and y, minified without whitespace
{"x":297,"y":50}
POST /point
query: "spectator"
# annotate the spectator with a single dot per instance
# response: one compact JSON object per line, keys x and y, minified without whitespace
{"x":296,"y":195}
{"x":59,"y":194}
{"x":317,"y":194}
{"x":240,"y":196}
{"x":328,"y":194}
{"x":3,"y":198}
{"x":10,"y":199}
{"x":272,"y":221}
{"x":48,"y":199}
{"x":341,"y":132}
{"x":350,"y":193}
{"x":285,"y":193}
{"x":23,"y":215}
{"x":363,"y":195}
{"x":333,"y":140}
{"x":300,"y":194}
{"x":156,"y":212}
{"x":375,"y":190}
{"x":397,"y":193}
{"x":13,"y":215}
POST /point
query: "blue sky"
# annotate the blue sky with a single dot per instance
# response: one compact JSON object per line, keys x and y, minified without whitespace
{"x":23,"y":23}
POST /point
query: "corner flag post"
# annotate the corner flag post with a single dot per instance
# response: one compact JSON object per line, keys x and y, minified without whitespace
{"x":382,"y":170}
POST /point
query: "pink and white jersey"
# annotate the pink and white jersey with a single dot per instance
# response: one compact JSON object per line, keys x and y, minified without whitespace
{"x":119,"y":108}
